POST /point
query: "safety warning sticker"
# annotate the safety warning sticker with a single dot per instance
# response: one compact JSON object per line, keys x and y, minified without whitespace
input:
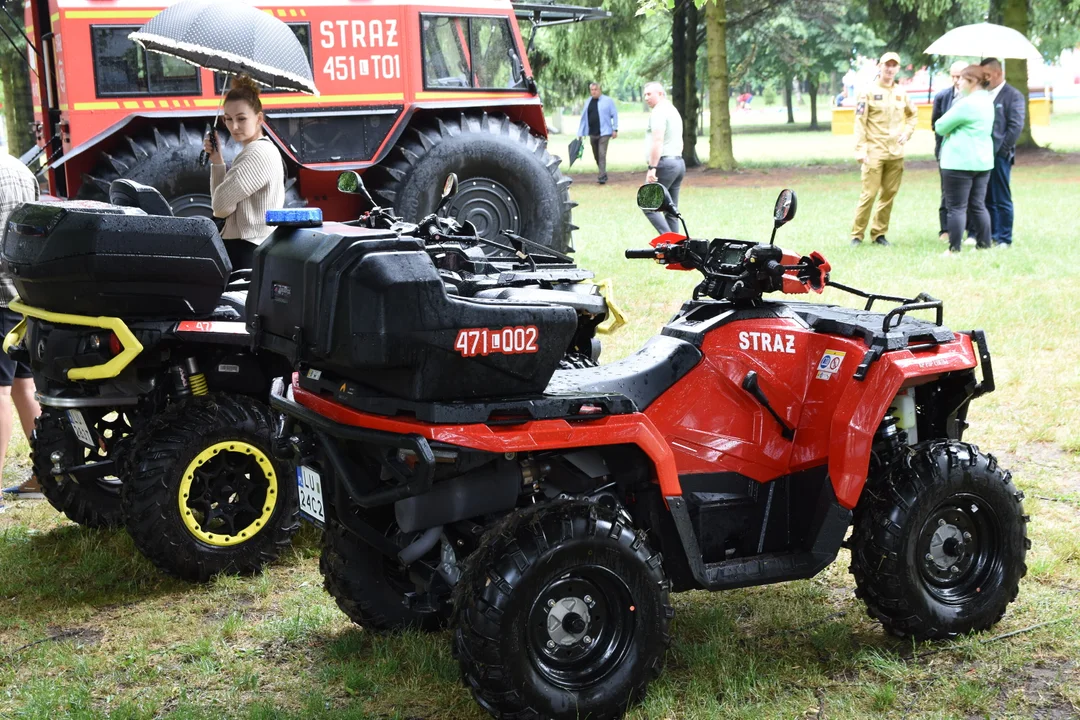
{"x":830,"y":363}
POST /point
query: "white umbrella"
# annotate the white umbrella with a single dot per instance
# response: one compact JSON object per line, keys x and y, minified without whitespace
{"x":984,"y":40}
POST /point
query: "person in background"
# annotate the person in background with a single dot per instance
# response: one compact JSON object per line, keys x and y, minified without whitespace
{"x":1009,"y":111}
{"x":17,"y":186}
{"x":942,"y":102}
{"x":663,"y":151}
{"x":256,"y":181}
{"x":600,"y":121}
{"x":885,"y":120}
{"x":967,"y":157}
{"x":839,"y":100}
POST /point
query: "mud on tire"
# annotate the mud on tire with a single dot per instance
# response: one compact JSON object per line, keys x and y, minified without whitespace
{"x":367,"y":588}
{"x":938,"y":547}
{"x":91,"y":503}
{"x":206,"y":495}
{"x":562,"y":613}
{"x":508,"y":179}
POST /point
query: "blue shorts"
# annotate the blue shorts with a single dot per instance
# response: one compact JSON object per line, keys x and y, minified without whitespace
{"x":11,"y":369}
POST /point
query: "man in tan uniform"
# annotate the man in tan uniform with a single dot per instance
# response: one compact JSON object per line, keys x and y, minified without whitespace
{"x":885,"y":119}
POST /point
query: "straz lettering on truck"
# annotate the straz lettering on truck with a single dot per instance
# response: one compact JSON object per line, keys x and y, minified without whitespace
{"x":363,"y":36}
{"x":769,"y":342}
{"x":518,"y":340}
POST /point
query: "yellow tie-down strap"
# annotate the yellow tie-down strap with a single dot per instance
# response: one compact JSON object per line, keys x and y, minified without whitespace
{"x":131,"y":346}
{"x":616,"y":318}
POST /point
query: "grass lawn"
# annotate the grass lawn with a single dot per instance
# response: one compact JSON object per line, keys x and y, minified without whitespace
{"x":762,"y":139}
{"x":88,"y":629}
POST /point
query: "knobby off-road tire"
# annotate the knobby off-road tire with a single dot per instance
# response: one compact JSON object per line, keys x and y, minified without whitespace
{"x":562,"y":613}
{"x":938,"y":547}
{"x":166,"y":157}
{"x":508,"y":179}
{"x":91,"y":503}
{"x":206,"y":495}
{"x":369,"y":587}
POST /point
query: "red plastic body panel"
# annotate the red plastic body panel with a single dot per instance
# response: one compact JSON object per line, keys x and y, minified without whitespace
{"x":714,"y":426}
{"x":635,"y":429}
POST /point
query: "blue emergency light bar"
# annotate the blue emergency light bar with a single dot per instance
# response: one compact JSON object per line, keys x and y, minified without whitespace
{"x":295,"y":217}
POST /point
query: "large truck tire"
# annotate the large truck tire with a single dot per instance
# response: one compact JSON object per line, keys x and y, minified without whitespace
{"x":508,"y":179}
{"x":167,"y":158}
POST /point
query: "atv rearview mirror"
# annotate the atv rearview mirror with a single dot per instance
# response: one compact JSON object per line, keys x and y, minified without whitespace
{"x":784,"y":212}
{"x":786,"y":205}
{"x":349,"y":182}
{"x":654,"y":197}
{"x":450,"y":186}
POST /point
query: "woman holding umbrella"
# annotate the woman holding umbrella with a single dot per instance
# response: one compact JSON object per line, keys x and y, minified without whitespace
{"x":256,"y":181}
{"x":967,"y":157}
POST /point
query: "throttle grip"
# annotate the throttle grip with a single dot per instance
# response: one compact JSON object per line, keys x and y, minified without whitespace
{"x":640,"y":254}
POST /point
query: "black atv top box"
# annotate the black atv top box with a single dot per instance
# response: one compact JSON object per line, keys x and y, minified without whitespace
{"x":89,"y":258}
{"x":369,"y":305}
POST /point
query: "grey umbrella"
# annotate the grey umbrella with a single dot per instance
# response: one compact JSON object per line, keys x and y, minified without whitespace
{"x":232,"y":37}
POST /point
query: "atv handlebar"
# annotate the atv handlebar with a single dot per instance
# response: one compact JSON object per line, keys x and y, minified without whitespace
{"x":738,"y":270}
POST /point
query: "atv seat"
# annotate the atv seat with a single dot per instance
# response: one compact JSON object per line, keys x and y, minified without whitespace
{"x":129,"y":193}
{"x":641,"y":378}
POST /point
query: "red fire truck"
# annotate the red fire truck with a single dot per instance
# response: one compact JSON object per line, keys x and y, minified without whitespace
{"x":409,"y":91}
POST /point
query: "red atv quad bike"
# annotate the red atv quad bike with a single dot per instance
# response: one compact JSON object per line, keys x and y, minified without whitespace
{"x":547,"y":514}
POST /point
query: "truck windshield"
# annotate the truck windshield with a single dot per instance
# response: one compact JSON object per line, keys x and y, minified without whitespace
{"x":470,"y":52}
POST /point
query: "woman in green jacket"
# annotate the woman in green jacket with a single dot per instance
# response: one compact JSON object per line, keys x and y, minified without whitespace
{"x":967,"y":157}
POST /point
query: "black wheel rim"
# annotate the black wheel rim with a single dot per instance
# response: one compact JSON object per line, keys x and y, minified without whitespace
{"x":488,"y":205}
{"x":960,"y":549}
{"x":229,"y":495}
{"x":109,"y":429}
{"x":192,"y":205}
{"x":580,"y":627}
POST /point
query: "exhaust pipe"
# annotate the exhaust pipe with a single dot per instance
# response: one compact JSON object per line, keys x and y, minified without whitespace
{"x":490,"y":489}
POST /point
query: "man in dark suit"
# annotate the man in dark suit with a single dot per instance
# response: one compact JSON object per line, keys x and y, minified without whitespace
{"x":942,"y":102}
{"x":1009,"y":109}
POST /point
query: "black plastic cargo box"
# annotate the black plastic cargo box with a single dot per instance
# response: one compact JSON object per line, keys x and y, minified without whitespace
{"x":370,"y":306}
{"x":90,"y":258}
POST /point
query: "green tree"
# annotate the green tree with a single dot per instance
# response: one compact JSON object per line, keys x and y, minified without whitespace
{"x":721,"y":153}
{"x":566,"y":58}
{"x":15,"y":83}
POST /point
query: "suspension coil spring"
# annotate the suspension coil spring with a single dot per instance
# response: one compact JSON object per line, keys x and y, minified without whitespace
{"x":199,"y":385}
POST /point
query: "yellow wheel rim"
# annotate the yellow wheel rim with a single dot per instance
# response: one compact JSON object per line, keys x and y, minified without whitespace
{"x":200,"y":522}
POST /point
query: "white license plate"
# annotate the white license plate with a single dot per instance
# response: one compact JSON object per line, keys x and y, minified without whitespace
{"x":82,"y":431}
{"x":309,"y":484}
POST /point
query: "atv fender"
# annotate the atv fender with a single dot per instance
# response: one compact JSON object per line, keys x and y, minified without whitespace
{"x":864,"y":404}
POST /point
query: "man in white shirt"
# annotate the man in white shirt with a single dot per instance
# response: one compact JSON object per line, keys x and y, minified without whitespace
{"x":663,"y":151}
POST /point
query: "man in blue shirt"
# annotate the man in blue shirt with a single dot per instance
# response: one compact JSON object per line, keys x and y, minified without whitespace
{"x":600,"y":122}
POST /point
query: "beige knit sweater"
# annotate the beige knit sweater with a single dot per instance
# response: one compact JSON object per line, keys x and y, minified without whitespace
{"x":254,"y":184}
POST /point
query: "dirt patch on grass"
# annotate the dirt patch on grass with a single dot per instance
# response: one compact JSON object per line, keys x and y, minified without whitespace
{"x":1045,"y":456}
{"x":771,"y":177}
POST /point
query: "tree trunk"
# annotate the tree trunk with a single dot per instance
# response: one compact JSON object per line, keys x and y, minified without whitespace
{"x":678,"y":56}
{"x":788,"y":100}
{"x":15,"y":81}
{"x":690,"y":117}
{"x":1016,"y":14}
{"x":812,"y":88}
{"x":721,"y":155}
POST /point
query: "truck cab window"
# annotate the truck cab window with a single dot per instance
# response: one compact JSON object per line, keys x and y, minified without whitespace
{"x":123,"y":68}
{"x":470,"y":52}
